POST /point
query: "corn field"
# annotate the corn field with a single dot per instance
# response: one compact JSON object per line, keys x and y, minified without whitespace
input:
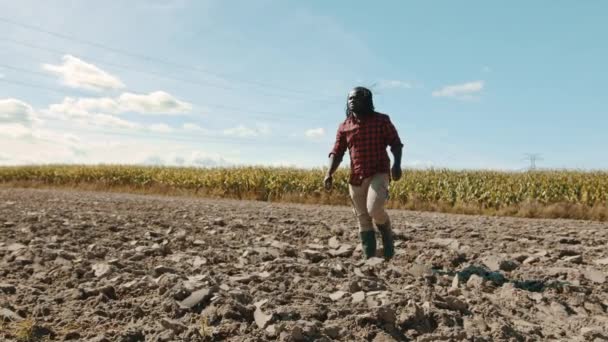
{"x":444,"y":190}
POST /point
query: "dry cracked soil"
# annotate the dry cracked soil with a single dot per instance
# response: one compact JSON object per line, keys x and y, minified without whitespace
{"x":87,"y":266}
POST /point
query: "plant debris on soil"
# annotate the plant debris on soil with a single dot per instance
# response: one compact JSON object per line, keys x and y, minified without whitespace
{"x":91,"y":266}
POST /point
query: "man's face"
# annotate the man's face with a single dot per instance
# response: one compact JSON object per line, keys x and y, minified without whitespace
{"x":356,"y":101}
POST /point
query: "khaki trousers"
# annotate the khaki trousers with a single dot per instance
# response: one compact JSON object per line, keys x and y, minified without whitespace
{"x":369,"y":199}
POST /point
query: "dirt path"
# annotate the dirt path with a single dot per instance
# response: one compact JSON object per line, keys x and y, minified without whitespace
{"x":118,"y":267}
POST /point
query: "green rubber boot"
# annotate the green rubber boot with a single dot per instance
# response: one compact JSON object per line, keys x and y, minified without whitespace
{"x":388,"y":242}
{"x":368,"y":242}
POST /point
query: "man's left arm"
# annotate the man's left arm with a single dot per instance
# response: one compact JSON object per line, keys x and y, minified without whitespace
{"x":394,"y":141}
{"x":396,"y":169}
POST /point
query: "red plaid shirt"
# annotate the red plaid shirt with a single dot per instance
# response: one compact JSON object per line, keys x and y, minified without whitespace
{"x":366,"y":140}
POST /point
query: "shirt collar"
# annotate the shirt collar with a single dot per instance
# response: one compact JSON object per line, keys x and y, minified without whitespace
{"x":358,"y":120}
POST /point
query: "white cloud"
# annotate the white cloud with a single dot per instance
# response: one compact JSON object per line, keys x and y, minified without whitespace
{"x":85,"y":106}
{"x":160,"y":128}
{"x":43,"y":146}
{"x":18,"y":119}
{"x":107,"y":121}
{"x":15,"y":111}
{"x":35,"y":145}
{"x":102,"y":111}
{"x":158,"y":102}
{"x":53,"y":137}
{"x":419,"y":164}
{"x":36,"y":153}
{"x":176,"y":156}
{"x":165,"y":4}
{"x":194,"y":128}
{"x":83,"y":117}
{"x":393,"y":84}
{"x":263,"y":128}
{"x":241,"y":131}
{"x":71,"y":138}
{"x":184,"y":158}
{"x":15,"y":131}
{"x":486,"y":68}
{"x":179,"y":160}
{"x":315,"y":133}
{"x":20,"y":123}
{"x":88,"y":148}
{"x":464,"y":91}
{"x":153,"y":160}
{"x":199,"y":158}
{"x":23,"y":141}
{"x":76,"y":73}
{"x":191,"y":127}
{"x":244,"y":131}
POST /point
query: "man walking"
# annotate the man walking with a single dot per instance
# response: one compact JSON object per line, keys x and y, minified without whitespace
{"x":367,"y":133}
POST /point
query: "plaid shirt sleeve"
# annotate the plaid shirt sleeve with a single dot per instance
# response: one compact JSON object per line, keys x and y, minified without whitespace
{"x":391,"y":135}
{"x":340,"y":145}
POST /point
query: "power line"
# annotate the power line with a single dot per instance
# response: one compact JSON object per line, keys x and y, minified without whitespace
{"x":157,"y":74}
{"x":146,"y":57}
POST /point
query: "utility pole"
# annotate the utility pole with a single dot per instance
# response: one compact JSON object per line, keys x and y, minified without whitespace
{"x":533,"y":158}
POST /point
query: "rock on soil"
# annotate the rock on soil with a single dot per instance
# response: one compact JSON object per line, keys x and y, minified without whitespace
{"x":117,"y":267}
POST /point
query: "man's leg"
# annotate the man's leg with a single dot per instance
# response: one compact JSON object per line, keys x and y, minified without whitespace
{"x":376,"y":199}
{"x":358,"y":195}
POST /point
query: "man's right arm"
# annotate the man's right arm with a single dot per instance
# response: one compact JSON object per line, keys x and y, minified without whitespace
{"x":334,"y":163}
{"x":335,"y":157}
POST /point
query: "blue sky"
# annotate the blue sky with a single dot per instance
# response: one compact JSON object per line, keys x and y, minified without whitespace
{"x":472,"y":84}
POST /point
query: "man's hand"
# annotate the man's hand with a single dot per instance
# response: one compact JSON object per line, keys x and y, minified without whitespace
{"x":328,"y":182}
{"x":396,"y":172}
